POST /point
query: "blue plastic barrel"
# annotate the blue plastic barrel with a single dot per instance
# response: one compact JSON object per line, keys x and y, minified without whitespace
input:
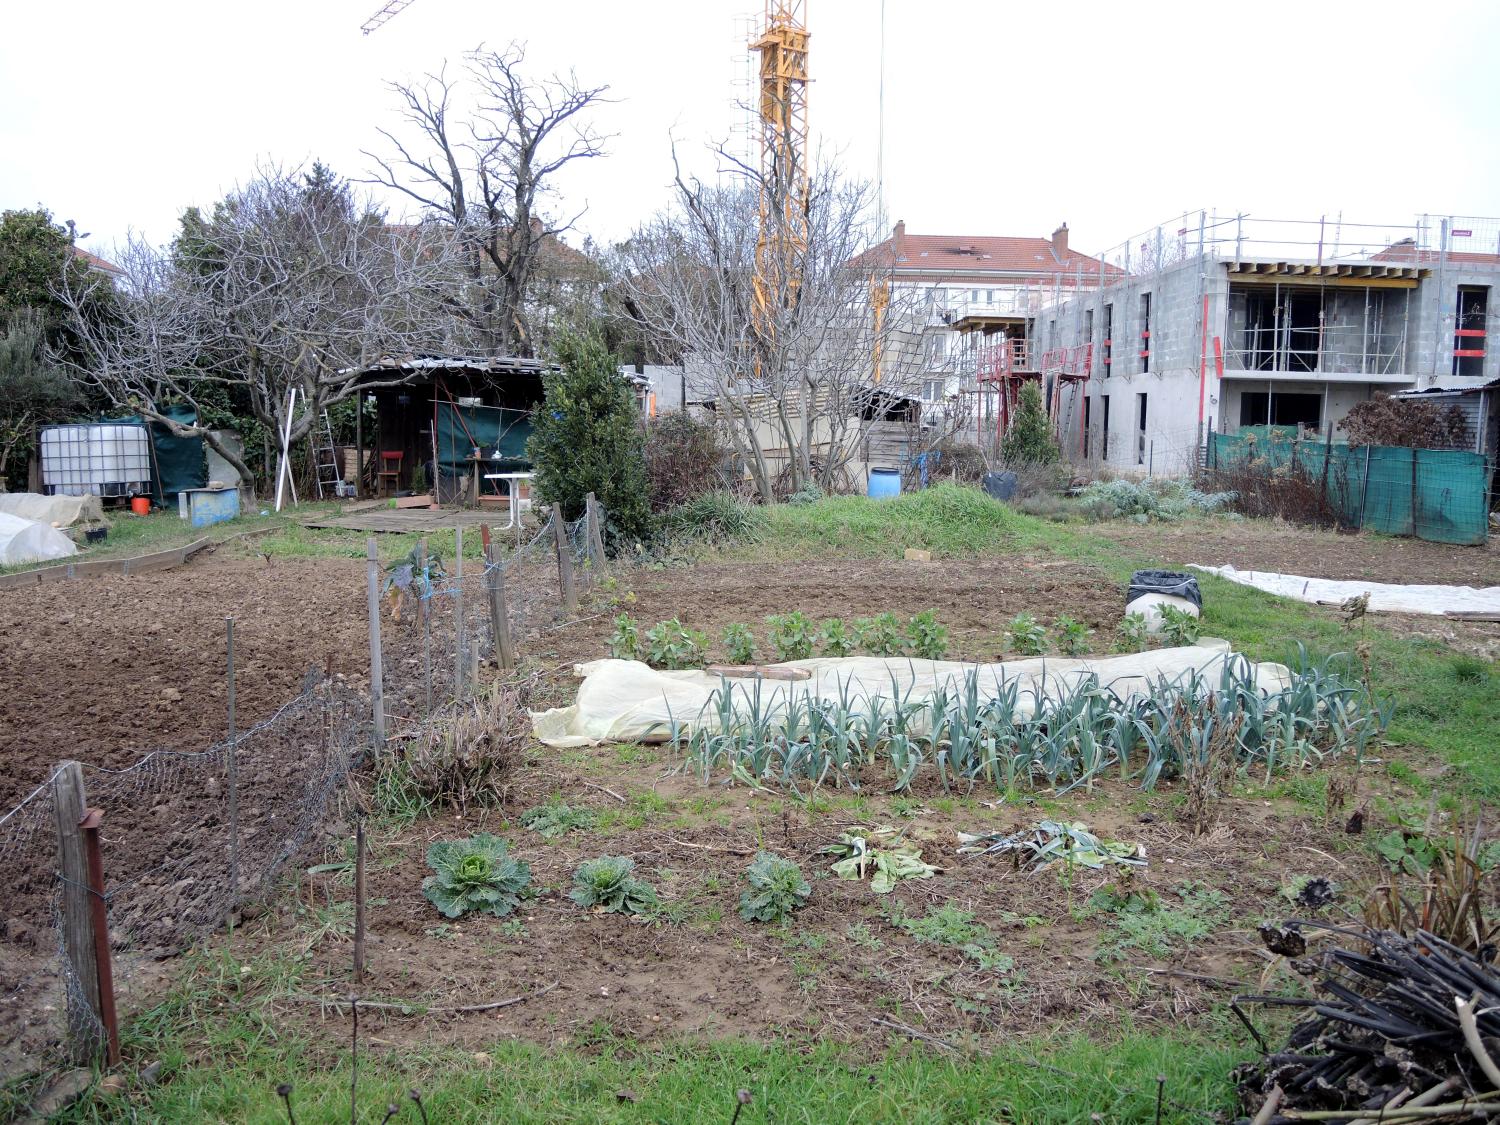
{"x":884,"y":483}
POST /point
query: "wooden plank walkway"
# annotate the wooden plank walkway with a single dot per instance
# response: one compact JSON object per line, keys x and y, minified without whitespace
{"x":398,"y":520}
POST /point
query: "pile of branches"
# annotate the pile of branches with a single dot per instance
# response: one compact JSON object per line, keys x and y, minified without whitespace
{"x":1402,"y":1028}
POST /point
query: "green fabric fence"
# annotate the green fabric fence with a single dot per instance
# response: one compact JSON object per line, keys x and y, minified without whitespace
{"x":491,"y":430}
{"x":1436,"y":494}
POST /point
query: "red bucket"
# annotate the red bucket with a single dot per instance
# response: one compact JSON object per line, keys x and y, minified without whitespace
{"x":140,"y":505}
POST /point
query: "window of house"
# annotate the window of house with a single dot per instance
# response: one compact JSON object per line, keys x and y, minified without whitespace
{"x":1145,"y":332}
{"x":1104,"y":427}
{"x":989,"y":296}
{"x":1085,"y":428}
{"x":1107,"y":346}
{"x":1470,"y":327}
{"x":1088,"y":334}
{"x":932,"y":390}
{"x":937,"y":349}
{"x":974,"y":296}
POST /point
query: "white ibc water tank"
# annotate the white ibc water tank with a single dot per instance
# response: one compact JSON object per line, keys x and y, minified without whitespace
{"x":107,"y":459}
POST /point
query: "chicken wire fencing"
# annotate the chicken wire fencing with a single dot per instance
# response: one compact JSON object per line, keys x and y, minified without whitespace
{"x":192,"y":838}
{"x":187,"y":838}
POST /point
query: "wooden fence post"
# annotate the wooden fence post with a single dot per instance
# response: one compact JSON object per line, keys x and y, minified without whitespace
{"x":69,"y":803}
{"x":459,"y":664}
{"x":234,"y":774}
{"x":564,"y":562}
{"x":377,"y":665}
{"x":596,"y":537}
{"x":494,"y":584}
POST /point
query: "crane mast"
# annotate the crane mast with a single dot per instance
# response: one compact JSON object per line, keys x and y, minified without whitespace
{"x":784,"y":188}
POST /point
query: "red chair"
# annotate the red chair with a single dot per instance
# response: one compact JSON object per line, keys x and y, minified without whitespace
{"x":390,"y":472}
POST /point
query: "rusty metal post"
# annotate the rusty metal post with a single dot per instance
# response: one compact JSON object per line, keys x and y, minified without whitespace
{"x":359,"y":898}
{"x":103,"y":967}
{"x":234,"y":775}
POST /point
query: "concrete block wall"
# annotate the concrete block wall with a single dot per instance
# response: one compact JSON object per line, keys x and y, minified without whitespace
{"x":1171,"y":385}
{"x":1432,"y":325}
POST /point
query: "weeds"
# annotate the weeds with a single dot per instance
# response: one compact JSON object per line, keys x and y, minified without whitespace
{"x":625,"y":642}
{"x":1143,"y":924}
{"x":461,"y":756}
{"x":954,"y":928}
{"x":556,"y":819}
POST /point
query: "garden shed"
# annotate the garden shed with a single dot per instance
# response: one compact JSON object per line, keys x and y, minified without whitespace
{"x":432,"y":413}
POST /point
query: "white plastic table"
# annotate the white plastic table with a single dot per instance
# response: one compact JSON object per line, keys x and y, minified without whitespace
{"x":513,"y":486}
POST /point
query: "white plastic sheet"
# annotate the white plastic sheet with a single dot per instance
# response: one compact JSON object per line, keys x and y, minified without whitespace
{"x":1385,"y":597}
{"x":627,"y":701}
{"x":63,"y":511}
{"x":26,"y":541}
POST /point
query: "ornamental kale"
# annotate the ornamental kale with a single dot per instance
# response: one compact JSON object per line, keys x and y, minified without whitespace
{"x":475,"y":874}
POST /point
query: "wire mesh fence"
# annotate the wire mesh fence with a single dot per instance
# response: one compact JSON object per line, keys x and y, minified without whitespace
{"x":190,"y":838}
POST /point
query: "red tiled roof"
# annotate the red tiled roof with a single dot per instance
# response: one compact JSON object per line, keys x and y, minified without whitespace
{"x":980,"y":254}
{"x":1407,"y":252}
{"x":103,"y":265}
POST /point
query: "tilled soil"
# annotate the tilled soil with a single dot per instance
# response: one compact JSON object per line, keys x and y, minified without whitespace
{"x":105,"y":669}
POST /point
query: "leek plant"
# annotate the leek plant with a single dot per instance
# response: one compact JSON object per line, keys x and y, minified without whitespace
{"x":1059,"y":731}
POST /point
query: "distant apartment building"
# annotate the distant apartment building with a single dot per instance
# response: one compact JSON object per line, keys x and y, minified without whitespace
{"x":1219,"y":323}
{"x":971,"y":295}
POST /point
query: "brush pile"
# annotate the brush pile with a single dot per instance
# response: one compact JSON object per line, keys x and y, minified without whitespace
{"x":1402,"y":1028}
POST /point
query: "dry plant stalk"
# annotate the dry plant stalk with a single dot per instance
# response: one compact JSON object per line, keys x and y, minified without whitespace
{"x":463,"y":755}
{"x":1453,"y":899}
{"x":1211,"y":763}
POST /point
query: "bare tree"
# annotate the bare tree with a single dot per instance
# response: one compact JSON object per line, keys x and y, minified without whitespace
{"x":485,"y":176}
{"x":799,"y":378}
{"x":293,"y":282}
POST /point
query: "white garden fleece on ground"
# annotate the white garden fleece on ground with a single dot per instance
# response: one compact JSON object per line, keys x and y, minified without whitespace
{"x":627,"y":701}
{"x":1385,"y":597}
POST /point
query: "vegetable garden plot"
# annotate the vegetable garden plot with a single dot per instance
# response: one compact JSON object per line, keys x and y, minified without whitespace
{"x":1064,"y":721}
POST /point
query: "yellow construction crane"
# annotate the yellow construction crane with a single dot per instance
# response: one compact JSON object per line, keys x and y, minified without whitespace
{"x":387,"y":10}
{"x":784,"y":188}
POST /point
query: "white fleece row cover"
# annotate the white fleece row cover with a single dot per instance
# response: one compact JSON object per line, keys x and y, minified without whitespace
{"x":63,"y":511}
{"x":627,"y":701}
{"x":1385,"y":597}
{"x":24,"y":541}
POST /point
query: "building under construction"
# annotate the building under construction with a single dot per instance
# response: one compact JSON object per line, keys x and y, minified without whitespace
{"x":1209,"y":322}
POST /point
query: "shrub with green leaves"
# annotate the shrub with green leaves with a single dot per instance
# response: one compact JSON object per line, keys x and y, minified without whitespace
{"x":835,"y":638}
{"x":776,"y":889}
{"x":607,"y":885}
{"x":672,"y":646}
{"x":587,"y":437}
{"x":1026,"y":635}
{"x":477,"y":874}
{"x":1072,"y":636}
{"x":881,"y":635}
{"x":556,"y":819}
{"x":739,"y":644}
{"x":792,"y":635}
{"x":1179,"y":627}
{"x":1029,"y":440}
{"x":625,"y":642}
{"x":927,"y":638}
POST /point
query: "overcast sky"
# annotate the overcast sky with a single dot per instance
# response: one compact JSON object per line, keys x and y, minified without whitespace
{"x":1001,"y":118}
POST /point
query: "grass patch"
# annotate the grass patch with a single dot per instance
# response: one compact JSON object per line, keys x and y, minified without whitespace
{"x":949,"y":520}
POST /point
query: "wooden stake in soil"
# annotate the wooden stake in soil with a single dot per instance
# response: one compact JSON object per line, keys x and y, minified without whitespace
{"x":459,"y":664}
{"x":77,"y":911}
{"x":564,"y":562}
{"x":494,"y":584}
{"x":100,"y":911}
{"x":377,"y":665}
{"x":596,"y":537}
{"x":426,"y":619}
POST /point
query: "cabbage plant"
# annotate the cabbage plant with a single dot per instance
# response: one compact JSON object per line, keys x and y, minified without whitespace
{"x":607,"y":885}
{"x":477,"y":874}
